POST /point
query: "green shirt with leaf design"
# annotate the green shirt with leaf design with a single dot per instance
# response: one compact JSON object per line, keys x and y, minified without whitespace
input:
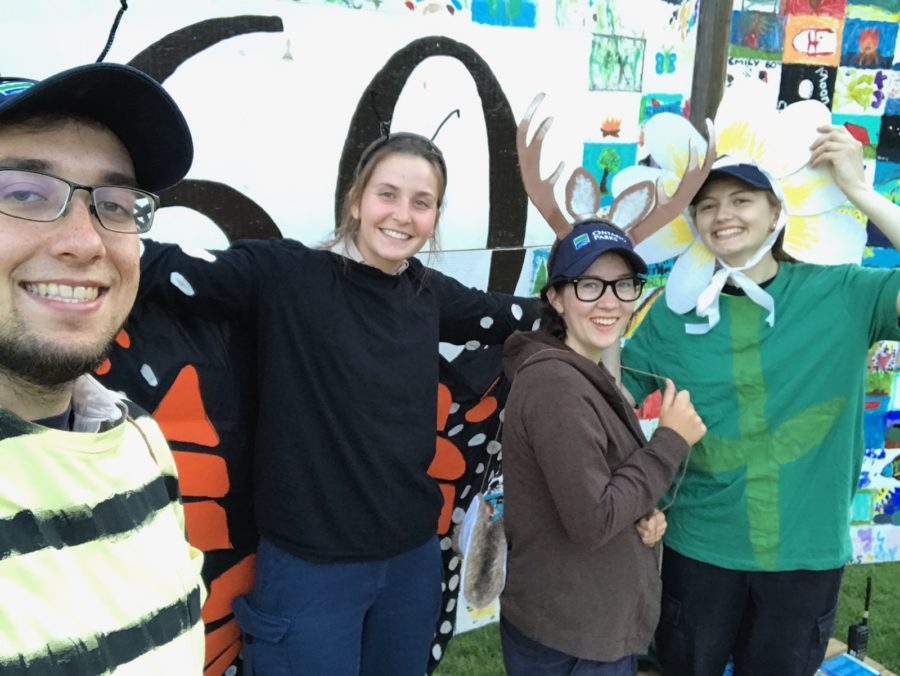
{"x":769,"y":487}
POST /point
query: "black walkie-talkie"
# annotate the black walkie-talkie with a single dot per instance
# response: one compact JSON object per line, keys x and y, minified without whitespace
{"x":858,"y":635}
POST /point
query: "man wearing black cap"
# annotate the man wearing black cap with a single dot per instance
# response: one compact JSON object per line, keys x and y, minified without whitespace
{"x":95,"y":572}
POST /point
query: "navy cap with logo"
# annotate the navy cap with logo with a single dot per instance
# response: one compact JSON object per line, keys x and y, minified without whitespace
{"x":748,"y":173}
{"x":585,"y":244}
{"x":129,"y":102}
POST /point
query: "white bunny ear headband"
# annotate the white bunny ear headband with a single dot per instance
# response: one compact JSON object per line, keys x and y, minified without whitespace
{"x":640,"y":210}
{"x":777,"y":143}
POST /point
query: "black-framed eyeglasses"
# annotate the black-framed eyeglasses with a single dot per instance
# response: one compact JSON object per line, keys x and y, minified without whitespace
{"x":35,"y":196}
{"x":590,"y":289}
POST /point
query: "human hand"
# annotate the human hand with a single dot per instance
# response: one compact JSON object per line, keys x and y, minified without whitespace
{"x":651,"y":528}
{"x":677,"y":413}
{"x":840,"y":153}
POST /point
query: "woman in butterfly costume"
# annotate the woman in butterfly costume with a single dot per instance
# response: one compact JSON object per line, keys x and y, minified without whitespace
{"x":348,"y":571}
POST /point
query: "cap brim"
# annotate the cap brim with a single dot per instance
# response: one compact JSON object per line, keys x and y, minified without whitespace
{"x":130,"y":103}
{"x":755,"y":178}
{"x":581,"y":265}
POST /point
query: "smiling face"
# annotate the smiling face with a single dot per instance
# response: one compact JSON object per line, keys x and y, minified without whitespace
{"x":66,"y":286}
{"x":397,"y":210}
{"x":733,"y":219}
{"x":592,"y":327}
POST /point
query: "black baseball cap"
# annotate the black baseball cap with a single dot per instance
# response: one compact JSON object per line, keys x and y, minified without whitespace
{"x":129,"y":102}
{"x":585,"y":244}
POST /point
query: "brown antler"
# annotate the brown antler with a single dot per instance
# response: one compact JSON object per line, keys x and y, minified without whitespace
{"x":539,"y":190}
{"x":668,"y":208}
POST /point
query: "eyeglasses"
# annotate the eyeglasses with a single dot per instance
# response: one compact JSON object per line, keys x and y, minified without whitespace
{"x":590,"y":289}
{"x":34,"y":196}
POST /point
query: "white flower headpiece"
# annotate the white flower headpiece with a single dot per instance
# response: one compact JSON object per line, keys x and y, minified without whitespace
{"x":778,"y":143}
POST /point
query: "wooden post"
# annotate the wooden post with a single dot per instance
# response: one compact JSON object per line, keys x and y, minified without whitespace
{"x":710,"y":60}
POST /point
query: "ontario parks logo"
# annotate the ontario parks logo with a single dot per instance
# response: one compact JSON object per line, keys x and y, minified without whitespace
{"x":581,"y":240}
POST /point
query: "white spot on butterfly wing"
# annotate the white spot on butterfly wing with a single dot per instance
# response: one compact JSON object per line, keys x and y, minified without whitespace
{"x":477,"y":440}
{"x":487,"y":322}
{"x":202,"y":254}
{"x":179,"y":282}
{"x":516,"y":310}
{"x":149,"y":375}
{"x":473,"y":345}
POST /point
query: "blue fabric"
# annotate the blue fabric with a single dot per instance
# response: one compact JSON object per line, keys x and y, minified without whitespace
{"x":770,"y":623}
{"x":524,"y":657}
{"x":341,"y":619}
{"x":585,"y":244}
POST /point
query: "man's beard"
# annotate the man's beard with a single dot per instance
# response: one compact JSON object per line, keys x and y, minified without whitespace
{"x":26,"y":358}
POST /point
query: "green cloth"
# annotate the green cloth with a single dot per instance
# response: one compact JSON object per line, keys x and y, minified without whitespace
{"x":769,"y":487}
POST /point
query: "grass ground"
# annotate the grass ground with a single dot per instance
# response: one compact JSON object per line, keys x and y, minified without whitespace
{"x":477,"y":653}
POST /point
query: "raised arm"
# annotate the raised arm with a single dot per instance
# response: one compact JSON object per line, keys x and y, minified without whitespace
{"x":214,"y":285}
{"x":469,"y":314}
{"x":842,"y":154}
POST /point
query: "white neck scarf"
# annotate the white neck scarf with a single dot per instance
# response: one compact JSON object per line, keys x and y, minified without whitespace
{"x":708,"y":300}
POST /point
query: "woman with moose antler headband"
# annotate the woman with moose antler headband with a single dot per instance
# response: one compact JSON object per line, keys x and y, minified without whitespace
{"x":773,"y":351}
{"x":582,"y":589}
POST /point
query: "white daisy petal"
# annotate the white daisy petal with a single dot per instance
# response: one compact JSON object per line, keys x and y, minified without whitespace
{"x":792,"y":135}
{"x":828,"y":239}
{"x":666,"y":242}
{"x":690,"y":275}
{"x":811,"y":191}
{"x":636,"y":173}
{"x":667,"y":137}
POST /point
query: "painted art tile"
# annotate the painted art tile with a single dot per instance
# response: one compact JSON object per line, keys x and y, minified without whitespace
{"x":875,"y":544}
{"x":868,"y":44}
{"x":887,"y":180}
{"x":653,"y":104}
{"x":605,"y":160}
{"x":451,"y":7}
{"x":757,"y":35}
{"x":874,"y":10}
{"x":892,"y":106}
{"x":864,"y":128}
{"x":802,"y":82}
{"x":756,"y":5}
{"x":518,"y":13}
{"x":812,"y":39}
{"x":833,"y":8}
{"x":616,"y":63}
{"x":860,"y":91}
{"x":766,"y":72}
{"x":889,"y":139}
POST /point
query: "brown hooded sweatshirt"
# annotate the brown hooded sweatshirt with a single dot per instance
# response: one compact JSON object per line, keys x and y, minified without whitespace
{"x":578,"y":472}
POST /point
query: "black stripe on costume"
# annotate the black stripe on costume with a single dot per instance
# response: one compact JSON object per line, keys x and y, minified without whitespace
{"x":27,"y":531}
{"x":103,"y":653}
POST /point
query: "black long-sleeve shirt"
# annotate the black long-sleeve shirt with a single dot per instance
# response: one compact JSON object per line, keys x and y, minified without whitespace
{"x":347,"y":370}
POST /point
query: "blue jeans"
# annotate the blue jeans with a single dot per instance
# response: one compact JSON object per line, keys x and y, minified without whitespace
{"x":375,"y":618}
{"x":769,"y":623}
{"x":524,"y":657}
